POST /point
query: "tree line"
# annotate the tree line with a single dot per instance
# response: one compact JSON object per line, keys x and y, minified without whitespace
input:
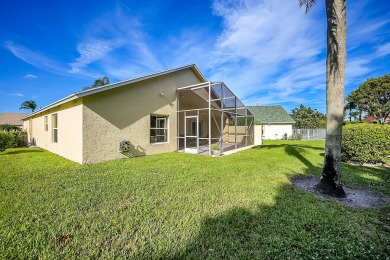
{"x":371,"y":98}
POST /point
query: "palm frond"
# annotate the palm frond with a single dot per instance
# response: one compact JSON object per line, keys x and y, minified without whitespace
{"x":101,"y":82}
{"x":29,"y":104}
{"x":307,"y":3}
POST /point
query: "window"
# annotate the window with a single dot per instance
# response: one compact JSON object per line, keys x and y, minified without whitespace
{"x":46,"y":124}
{"x":158,"y":129}
{"x":54,"y":121}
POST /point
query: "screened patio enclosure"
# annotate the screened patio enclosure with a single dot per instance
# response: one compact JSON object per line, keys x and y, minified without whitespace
{"x":210,"y":115}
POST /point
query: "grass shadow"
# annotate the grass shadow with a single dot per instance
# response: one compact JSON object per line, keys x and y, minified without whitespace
{"x":298,"y":152}
{"x":21,"y":151}
{"x":296,"y":226}
{"x":375,"y":178}
{"x":289,"y":144}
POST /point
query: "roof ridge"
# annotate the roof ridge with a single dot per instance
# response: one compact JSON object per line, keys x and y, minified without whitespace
{"x":95,"y":90}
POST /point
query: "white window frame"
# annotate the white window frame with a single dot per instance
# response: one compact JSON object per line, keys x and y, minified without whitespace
{"x":166,"y":128}
{"x":46,"y":123}
{"x":54,"y":123}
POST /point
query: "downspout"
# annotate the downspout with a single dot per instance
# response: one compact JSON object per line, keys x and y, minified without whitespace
{"x":209,"y":118}
{"x":222,"y":126}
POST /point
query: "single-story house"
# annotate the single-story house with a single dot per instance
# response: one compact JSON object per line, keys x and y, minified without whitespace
{"x":276,"y":122}
{"x":372,"y":119}
{"x":172,"y":110}
{"x":13,"y":119}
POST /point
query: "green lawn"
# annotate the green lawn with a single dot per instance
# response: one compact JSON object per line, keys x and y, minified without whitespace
{"x":185,"y":206}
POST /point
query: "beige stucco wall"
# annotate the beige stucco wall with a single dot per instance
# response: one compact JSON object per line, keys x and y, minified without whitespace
{"x":124,"y":114}
{"x":276,"y":131}
{"x":229,"y":132}
{"x":69,"y":143}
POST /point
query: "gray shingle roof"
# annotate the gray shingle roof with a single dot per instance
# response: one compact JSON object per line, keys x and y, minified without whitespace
{"x":14,"y":119}
{"x":271,"y":114}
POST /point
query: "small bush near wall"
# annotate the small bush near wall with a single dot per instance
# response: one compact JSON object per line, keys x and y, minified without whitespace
{"x":366,"y":143}
{"x":296,"y":137}
{"x":9,"y":139}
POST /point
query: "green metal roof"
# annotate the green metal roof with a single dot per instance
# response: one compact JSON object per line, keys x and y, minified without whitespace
{"x":271,"y":114}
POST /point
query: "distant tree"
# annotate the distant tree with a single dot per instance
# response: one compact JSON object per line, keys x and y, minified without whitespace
{"x":99,"y":82}
{"x":8,"y":128}
{"x":372,"y":97}
{"x":29,"y":104}
{"x":356,"y":104}
{"x":350,"y":110}
{"x":306,"y":117}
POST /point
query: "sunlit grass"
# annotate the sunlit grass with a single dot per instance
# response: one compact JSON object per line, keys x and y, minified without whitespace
{"x":184,"y":206}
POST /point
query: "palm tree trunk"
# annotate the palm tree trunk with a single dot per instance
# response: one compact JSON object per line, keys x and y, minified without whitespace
{"x":330,"y":182}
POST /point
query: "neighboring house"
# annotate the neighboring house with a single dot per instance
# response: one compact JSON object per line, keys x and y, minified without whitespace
{"x":14,"y":119}
{"x":275,"y":120}
{"x":371,"y":119}
{"x":173,"y":110}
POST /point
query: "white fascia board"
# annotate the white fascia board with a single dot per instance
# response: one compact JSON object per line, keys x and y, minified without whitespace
{"x":54,"y":104}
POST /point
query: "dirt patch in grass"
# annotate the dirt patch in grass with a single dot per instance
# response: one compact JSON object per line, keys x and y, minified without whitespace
{"x":376,"y":165}
{"x":62,"y":239}
{"x":356,"y":197}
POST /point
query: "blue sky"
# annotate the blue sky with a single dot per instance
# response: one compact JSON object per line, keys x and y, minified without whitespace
{"x":268,"y":52}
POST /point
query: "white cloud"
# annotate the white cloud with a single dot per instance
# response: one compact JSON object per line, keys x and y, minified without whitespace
{"x":117,"y":46}
{"x":35,"y":58}
{"x":258,"y":31}
{"x":30,"y":76}
{"x":357,"y":67}
{"x":92,"y":50}
{"x":13,"y":94}
{"x":383,"y":50}
{"x":268,"y":52}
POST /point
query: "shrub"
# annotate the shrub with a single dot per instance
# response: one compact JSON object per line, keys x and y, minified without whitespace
{"x":215,"y":147}
{"x":296,"y":137}
{"x":366,"y":143}
{"x":9,"y":128}
{"x":9,"y":139}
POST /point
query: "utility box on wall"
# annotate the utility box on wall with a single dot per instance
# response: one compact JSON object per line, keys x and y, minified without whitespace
{"x":124,"y":146}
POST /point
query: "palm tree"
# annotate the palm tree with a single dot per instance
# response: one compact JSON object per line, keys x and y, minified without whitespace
{"x":98,"y":83}
{"x":330,"y":182}
{"x":29,"y":104}
{"x":101,"y":82}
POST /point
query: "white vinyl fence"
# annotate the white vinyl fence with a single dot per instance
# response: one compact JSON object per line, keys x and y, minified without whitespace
{"x":309,"y":134}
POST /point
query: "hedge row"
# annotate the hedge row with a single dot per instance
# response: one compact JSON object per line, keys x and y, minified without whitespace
{"x":366,"y":143}
{"x":9,"y":139}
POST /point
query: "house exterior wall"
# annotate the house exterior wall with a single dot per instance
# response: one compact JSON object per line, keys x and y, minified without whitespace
{"x":124,"y":114}
{"x":258,"y":139}
{"x":276,"y":131}
{"x":229,"y":132}
{"x":69,"y":143}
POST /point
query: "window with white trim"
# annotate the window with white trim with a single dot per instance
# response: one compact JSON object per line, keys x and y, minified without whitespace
{"x":158,"y":129}
{"x":54,"y":122}
{"x":46,"y":123}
